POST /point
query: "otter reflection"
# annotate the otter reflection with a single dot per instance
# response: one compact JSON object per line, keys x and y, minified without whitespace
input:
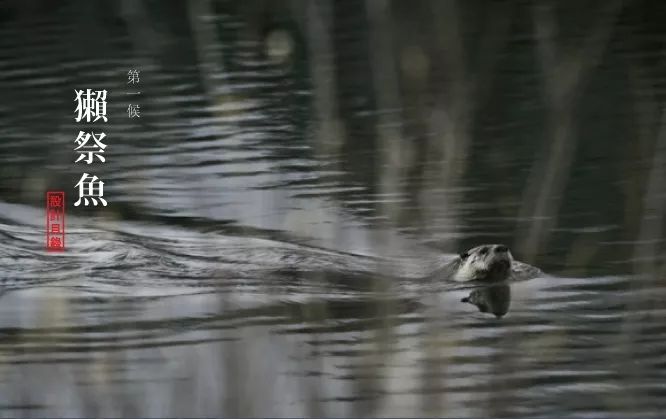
{"x":494,"y":299}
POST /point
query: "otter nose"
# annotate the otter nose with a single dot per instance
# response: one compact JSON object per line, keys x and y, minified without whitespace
{"x":500,"y":248}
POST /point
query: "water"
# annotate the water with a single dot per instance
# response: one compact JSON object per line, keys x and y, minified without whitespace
{"x":274,"y":211}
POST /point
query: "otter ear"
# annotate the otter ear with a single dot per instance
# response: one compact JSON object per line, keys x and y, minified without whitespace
{"x":464,"y":256}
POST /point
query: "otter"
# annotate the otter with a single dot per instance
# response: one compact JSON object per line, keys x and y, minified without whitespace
{"x":493,"y":267}
{"x":488,"y":263}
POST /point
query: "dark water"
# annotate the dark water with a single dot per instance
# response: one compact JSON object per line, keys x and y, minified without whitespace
{"x":297,"y":169}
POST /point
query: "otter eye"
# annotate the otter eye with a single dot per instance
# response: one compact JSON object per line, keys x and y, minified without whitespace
{"x":483,"y":250}
{"x":464,"y":256}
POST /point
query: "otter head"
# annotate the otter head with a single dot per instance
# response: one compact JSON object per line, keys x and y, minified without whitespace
{"x":490,"y":262}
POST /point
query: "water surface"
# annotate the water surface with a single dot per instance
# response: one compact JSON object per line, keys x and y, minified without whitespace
{"x":274,"y":211}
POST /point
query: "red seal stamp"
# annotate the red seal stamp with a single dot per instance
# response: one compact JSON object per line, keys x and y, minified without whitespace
{"x":55,"y":221}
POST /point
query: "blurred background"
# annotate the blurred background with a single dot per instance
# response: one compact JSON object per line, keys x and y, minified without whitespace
{"x":297,"y":169}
